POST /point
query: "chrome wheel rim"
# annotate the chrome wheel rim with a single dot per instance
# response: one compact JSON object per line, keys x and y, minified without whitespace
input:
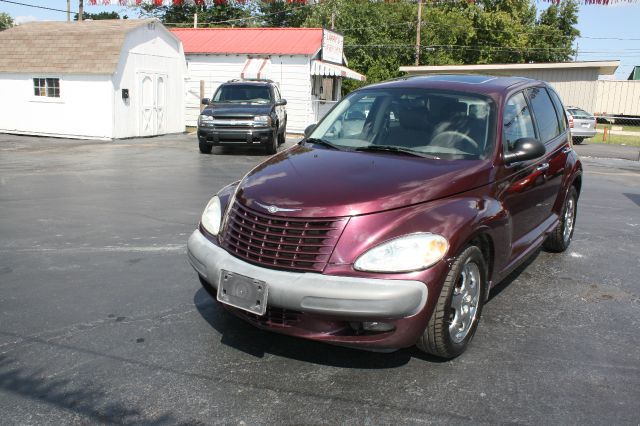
{"x":464,"y":302}
{"x":569,"y":219}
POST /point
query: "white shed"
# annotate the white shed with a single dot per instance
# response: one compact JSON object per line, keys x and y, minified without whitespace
{"x":307,"y":64}
{"x":105,"y":79}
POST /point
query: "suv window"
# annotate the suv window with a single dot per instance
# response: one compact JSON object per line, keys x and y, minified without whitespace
{"x":562,"y":117}
{"x":544,"y":112}
{"x":243,"y":93}
{"x":517,"y":122}
{"x":276,"y":92}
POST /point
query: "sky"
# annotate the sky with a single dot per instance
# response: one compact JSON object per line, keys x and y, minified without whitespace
{"x":620,"y":22}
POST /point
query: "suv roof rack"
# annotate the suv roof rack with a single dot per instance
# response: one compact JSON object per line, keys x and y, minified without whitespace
{"x":258,"y":80}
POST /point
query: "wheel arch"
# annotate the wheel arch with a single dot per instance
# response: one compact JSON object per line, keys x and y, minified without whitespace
{"x":486,"y":245}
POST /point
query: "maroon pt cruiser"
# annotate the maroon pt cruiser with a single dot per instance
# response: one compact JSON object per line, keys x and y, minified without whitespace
{"x":387,"y":225}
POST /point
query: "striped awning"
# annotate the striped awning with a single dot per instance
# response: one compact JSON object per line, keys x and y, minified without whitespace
{"x":333,"y":70}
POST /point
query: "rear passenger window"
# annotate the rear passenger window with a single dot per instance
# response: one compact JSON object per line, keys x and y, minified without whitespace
{"x":516,"y":123}
{"x":545,"y":113}
{"x":562,"y":116}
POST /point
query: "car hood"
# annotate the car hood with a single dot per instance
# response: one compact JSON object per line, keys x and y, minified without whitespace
{"x":236,"y":110}
{"x":316,"y":182}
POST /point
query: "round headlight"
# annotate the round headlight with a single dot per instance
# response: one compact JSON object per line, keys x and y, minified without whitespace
{"x":408,"y":253}
{"x":212,"y":216}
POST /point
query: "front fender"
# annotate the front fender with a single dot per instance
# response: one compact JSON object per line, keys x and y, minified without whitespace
{"x":459,"y":219}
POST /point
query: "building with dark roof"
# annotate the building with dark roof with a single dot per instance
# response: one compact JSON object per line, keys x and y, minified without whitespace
{"x":102,"y":79}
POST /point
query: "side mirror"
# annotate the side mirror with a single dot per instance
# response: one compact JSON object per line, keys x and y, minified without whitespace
{"x":525,"y":149}
{"x":205,"y":101}
{"x":281,"y":102}
{"x":309,"y":129}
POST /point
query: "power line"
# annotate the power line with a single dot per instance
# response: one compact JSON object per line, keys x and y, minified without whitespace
{"x":35,"y":6}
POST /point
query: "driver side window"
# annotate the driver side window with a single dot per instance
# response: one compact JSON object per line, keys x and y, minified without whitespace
{"x":516,"y":123}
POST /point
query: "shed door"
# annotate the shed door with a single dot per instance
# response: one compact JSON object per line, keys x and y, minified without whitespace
{"x":153,"y":88}
{"x":160,"y":99}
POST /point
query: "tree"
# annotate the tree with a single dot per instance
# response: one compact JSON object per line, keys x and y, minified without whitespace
{"x":282,"y":13}
{"x":182,"y":14}
{"x":6,"y":21}
{"x":377,"y":35}
{"x":99,"y":16}
{"x":555,"y":33}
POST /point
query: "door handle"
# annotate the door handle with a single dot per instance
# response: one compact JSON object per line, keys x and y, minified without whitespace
{"x":543,"y":167}
{"x":566,"y":150}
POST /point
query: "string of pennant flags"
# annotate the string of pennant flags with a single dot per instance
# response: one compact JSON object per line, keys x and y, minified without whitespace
{"x":243,"y":2}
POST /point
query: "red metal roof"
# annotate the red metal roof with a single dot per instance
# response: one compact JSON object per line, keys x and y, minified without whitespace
{"x":274,"y":41}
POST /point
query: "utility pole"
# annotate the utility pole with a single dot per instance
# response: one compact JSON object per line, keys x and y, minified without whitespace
{"x":333,"y":19}
{"x":68,"y":10}
{"x":418,"y":32}
{"x":195,"y":20}
{"x":80,"y":10}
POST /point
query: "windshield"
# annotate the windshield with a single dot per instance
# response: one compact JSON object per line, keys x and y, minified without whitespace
{"x":243,"y":93}
{"x":441,"y":124}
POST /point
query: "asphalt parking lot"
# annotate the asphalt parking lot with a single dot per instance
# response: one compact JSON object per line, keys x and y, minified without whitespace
{"x":103,"y":320}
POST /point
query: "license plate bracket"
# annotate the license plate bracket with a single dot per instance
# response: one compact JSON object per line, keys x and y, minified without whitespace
{"x":242,"y":292}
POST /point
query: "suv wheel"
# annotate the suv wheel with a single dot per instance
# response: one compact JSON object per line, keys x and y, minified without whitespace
{"x":272,"y":145}
{"x":560,"y":238}
{"x":577,"y":140}
{"x":282,"y":137}
{"x":455,"y":318}
{"x":205,"y":147}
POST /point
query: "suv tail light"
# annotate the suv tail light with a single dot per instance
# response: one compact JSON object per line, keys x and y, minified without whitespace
{"x":570,"y":122}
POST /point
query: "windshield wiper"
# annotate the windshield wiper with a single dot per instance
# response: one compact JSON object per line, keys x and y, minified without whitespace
{"x":323,"y":142}
{"x":391,"y":148}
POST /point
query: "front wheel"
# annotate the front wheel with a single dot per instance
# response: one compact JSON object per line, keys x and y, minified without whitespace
{"x":272,"y":144}
{"x":205,"y":147}
{"x":457,"y":312}
{"x":282,"y":137}
{"x":560,"y":238}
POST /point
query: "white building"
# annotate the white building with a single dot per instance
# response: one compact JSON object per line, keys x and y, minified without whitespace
{"x":585,"y":84}
{"x":307,"y":64}
{"x":92,"y":79}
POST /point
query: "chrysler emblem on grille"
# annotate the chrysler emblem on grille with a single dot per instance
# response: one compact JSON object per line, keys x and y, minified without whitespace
{"x":276,"y":209}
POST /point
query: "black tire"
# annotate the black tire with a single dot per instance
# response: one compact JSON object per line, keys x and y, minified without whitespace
{"x":577,"y":141}
{"x":272,"y":144}
{"x":205,"y":147}
{"x":560,"y":238}
{"x":282,"y":137}
{"x":437,"y":338}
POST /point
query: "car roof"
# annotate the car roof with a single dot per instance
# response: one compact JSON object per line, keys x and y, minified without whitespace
{"x":472,"y":83}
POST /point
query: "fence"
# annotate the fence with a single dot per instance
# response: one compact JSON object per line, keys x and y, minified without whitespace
{"x":619,"y":130}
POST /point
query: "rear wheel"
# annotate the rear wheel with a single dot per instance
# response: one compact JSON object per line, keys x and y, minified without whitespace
{"x":205,"y":147}
{"x":457,"y":312}
{"x":560,"y":238}
{"x":577,"y":140}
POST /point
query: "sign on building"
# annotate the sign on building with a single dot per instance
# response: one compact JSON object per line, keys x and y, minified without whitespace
{"x":332,"y":47}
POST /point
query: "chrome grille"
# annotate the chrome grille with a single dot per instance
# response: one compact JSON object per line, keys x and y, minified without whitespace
{"x":297,"y":244}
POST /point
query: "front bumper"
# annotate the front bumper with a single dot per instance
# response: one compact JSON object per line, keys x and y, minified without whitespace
{"x":323,"y":307}
{"x":348,"y":297}
{"x":235,"y":136}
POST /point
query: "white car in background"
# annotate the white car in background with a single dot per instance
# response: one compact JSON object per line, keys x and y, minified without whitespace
{"x":581,"y":123}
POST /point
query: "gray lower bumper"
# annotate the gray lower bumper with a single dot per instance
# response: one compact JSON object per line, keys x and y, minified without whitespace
{"x":311,"y":292}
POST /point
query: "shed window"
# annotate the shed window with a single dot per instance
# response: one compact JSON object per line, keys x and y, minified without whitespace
{"x":48,"y":87}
